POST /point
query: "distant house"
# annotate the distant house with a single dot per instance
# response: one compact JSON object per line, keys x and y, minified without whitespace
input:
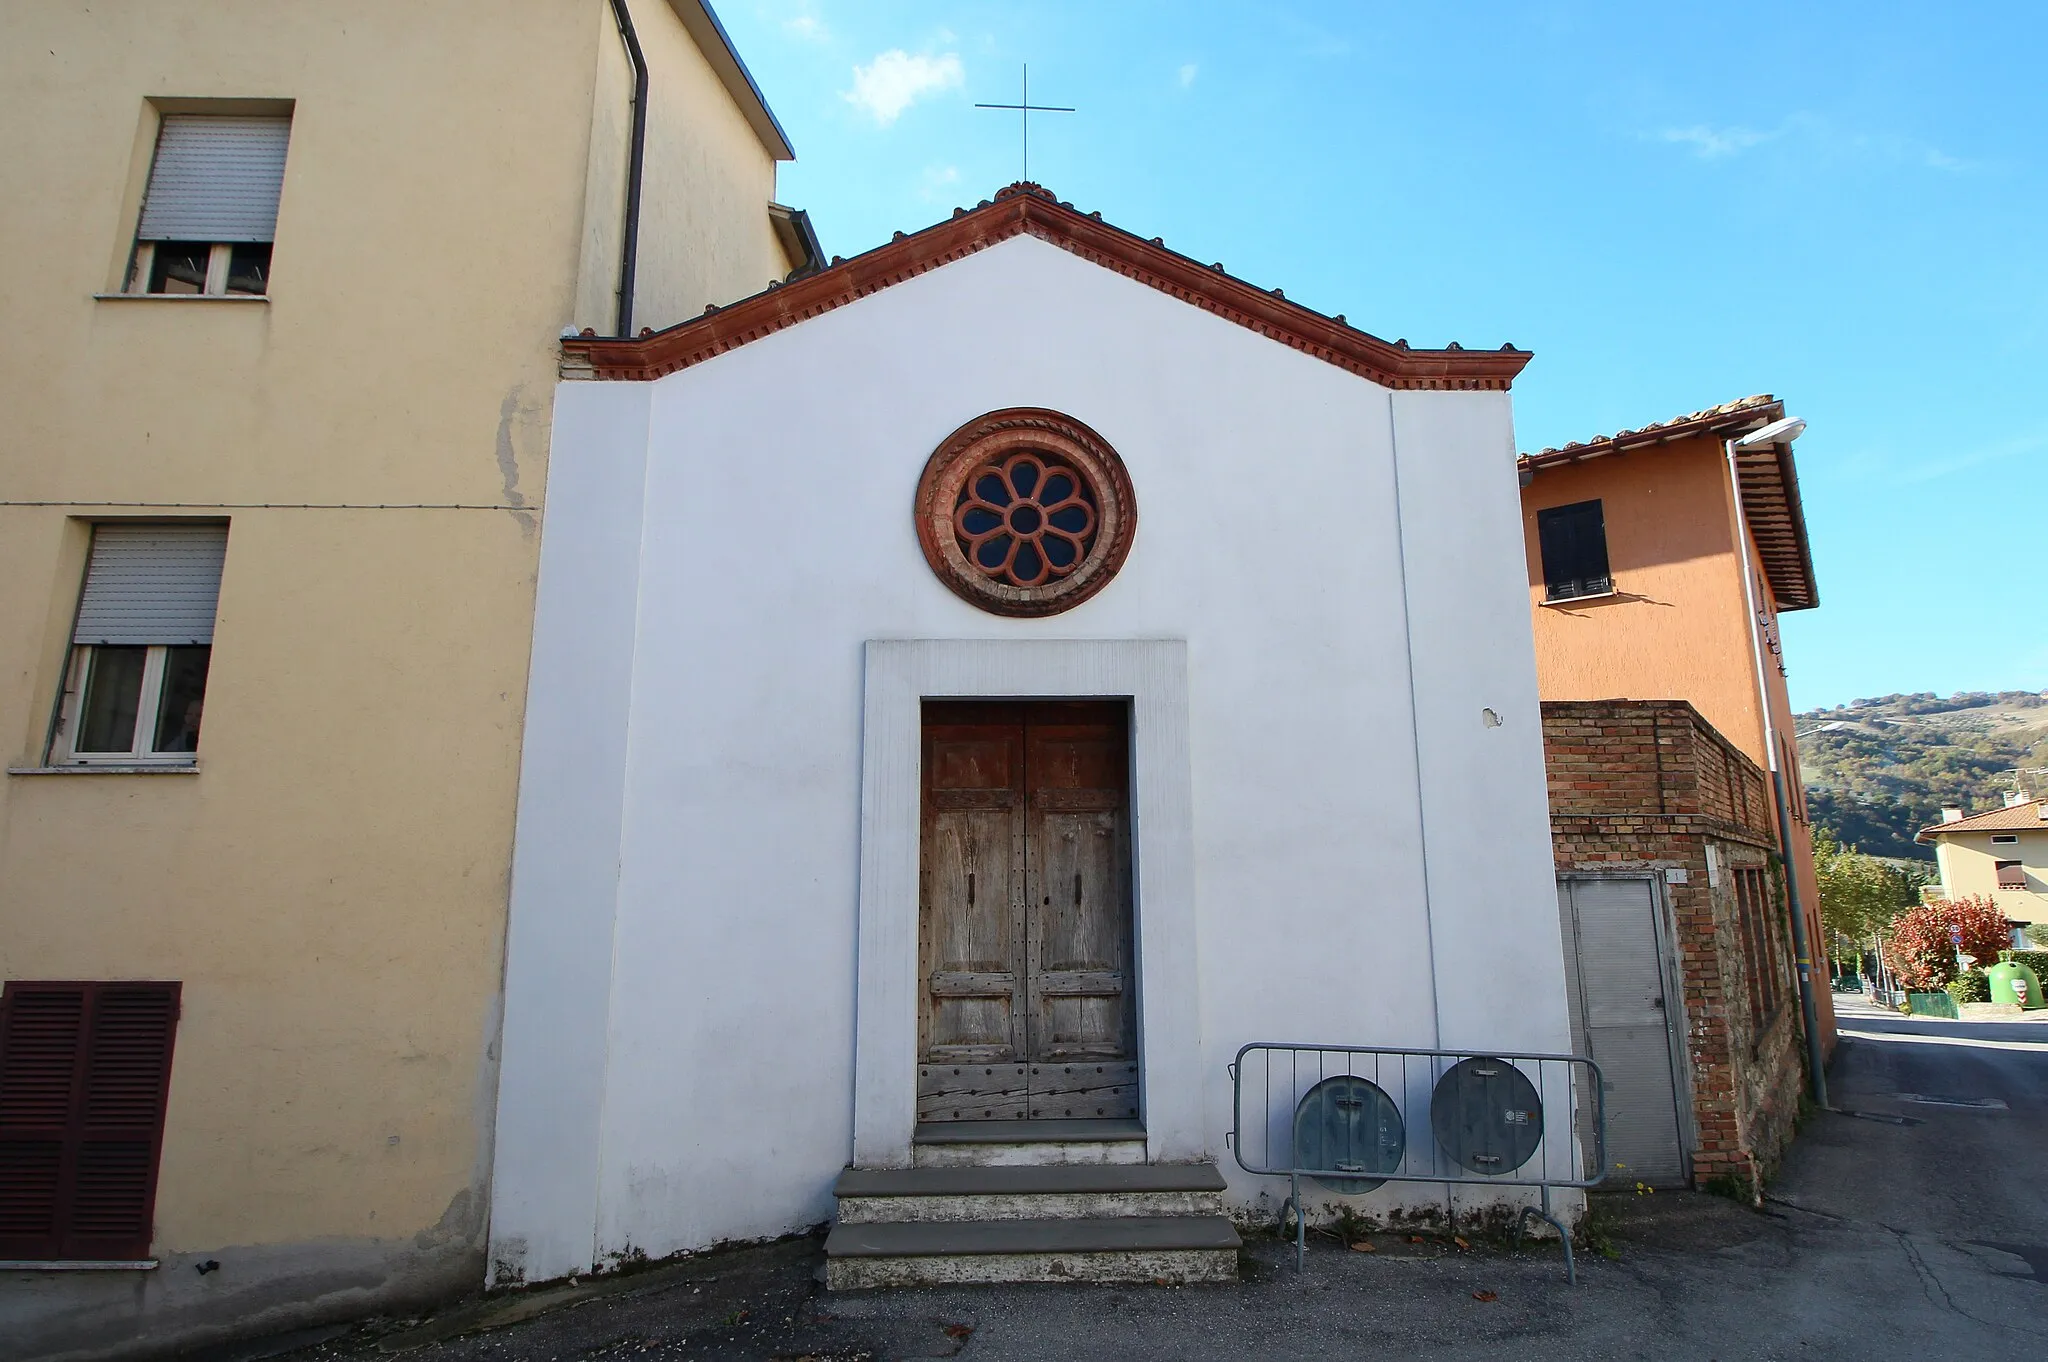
{"x":2001,"y":855}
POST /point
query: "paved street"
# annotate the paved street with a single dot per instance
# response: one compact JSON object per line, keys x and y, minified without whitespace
{"x":1911,"y":1222}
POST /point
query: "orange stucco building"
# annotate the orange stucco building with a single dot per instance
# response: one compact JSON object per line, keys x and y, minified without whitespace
{"x":1636,"y":546}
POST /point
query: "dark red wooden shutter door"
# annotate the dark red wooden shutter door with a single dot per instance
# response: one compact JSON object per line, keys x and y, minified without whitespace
{"x":84,"y":1076}
{"x":41,"y":1028}
{"x":127,"y":1073}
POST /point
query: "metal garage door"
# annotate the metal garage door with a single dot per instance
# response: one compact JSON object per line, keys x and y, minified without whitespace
{"x":1620,"y":1017}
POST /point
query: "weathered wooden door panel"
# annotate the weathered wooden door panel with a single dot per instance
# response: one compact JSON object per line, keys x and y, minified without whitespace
{"x":1047,"y":785}
{"x":971,"y":920}
{"x":972,"y":966}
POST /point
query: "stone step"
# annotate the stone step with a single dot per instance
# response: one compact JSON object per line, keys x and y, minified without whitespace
{"x":1066,"y":1192}
{"x":994,"y":1144}
{"x":1179,"y":1248}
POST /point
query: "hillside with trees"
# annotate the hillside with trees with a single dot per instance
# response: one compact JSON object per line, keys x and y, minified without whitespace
{"x":1879,"y":770}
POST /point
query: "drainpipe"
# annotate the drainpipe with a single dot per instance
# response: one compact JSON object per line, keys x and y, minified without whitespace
{"x":1801,"y":948}
{"x":629,"y":252}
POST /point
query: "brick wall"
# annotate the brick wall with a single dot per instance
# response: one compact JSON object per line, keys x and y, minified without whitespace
{"x":1651,"y":786}
{"x":1649,"y":758}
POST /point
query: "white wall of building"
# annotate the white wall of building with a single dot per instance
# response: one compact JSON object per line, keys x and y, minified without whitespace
{"x":1359,"y":876}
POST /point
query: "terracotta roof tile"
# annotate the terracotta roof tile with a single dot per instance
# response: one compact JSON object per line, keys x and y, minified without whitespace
{"x":1689,"y":424}
{"x":2019,"y":818}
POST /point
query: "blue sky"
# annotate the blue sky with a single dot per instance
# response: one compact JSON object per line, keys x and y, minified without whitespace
{"x":1672,"y":206}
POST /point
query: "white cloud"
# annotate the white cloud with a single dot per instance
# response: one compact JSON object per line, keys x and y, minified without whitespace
{"x":809,"y":27}
{"x":937,"y":180}
{"x":1927,"y":470}
{"x":1813,"y":134}
{"x":1188,"y":74}
{"x":895,"y":80}
{"x":1711,"y":144}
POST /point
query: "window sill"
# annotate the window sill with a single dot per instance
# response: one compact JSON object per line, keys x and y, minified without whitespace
{"x":77,"y":1265}
{"x":1579,"y":600}
{"x":181,"y":297}
{"x":189,"y":768}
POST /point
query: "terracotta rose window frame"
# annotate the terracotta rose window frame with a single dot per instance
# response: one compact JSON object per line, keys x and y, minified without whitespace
{"x":1025,"y":512}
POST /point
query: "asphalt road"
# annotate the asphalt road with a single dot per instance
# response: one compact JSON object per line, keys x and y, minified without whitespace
{"x":1913,"y":1221}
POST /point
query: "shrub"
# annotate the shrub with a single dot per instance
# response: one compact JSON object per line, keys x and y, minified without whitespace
{"x":2034,"y":960}
{"x":1971,"y":986}
{"x":1983,"y":925}
{"x":1918,"y":949}
{"x":1921,"y":947}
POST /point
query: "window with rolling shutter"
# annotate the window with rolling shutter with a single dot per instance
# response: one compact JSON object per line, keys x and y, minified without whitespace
{"x":209,"y":213}
{"x":1572,"y":541}
{"x":154,"y":583}
{"x":84,"y":1077}
{"x":142,"y":645}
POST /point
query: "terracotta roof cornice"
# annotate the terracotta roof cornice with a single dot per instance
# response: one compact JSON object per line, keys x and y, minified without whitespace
{"x":1028,"y":209}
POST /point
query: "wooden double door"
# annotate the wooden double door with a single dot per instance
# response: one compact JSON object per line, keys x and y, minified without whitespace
{"x":1024,"y":913}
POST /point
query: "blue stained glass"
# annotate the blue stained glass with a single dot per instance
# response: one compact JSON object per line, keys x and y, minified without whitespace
{"x":992,"y":490}
{"x":1024,"y":477}
{"x":978,"y":521}
{"x":1072,"y":519}
{"x":992,"y":552}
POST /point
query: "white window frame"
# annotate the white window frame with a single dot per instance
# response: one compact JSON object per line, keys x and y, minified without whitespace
{"x":2005,"y":839}
{"x":217,"y":262}
{"x":147,"y":708}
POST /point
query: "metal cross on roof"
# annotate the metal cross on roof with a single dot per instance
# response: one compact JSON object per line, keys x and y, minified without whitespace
{"x":1024,"y":111}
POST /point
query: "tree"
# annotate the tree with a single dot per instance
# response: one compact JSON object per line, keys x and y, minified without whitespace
{"x":1921,"y":945}
{"x":1859,"y":895}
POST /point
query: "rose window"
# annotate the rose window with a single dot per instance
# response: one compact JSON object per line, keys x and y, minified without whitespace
{"x":1025,"y":512}
{"x":1026,"y":522}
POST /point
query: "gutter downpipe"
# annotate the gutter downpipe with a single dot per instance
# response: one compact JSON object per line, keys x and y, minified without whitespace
{"x":1809,"y":1010}
{"x":629,"y":251}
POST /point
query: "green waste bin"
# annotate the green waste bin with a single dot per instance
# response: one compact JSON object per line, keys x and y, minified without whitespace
{"x":2014,"y":981}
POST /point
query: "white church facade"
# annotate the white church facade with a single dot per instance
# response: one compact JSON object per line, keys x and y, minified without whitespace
{"x":975,"y":689}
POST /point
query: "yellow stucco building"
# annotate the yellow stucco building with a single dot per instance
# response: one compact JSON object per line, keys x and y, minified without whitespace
{"x":285,"y":284}
{"x":2001,"y":855}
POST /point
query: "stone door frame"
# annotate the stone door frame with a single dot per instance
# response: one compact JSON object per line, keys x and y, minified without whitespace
{"x":1152,"y":675}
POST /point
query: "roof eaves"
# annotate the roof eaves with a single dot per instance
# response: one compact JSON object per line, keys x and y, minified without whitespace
{"x":799,"y":238}
{"x":1022,"y":209}
{"x":1770,"y":485}
{"x":716,"y":45}
{"x":1728,"y":419}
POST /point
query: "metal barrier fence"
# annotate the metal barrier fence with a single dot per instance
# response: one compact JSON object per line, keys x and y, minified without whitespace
{"x":1344,"y":1116}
